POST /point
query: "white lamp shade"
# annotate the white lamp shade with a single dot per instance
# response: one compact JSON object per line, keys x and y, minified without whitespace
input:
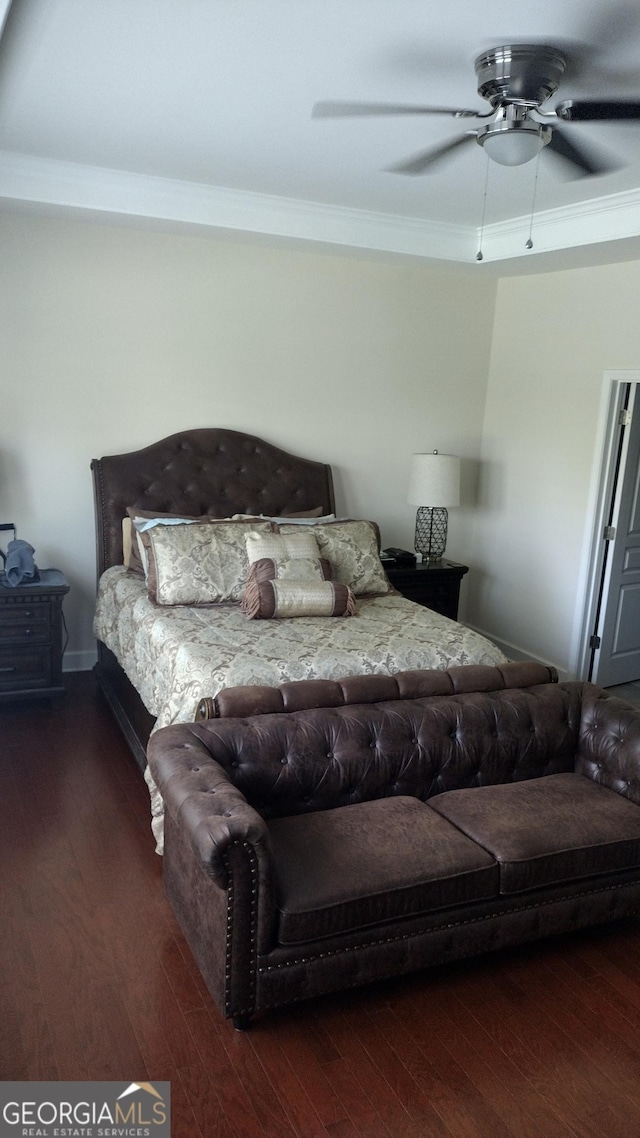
{"x":434,"y":480}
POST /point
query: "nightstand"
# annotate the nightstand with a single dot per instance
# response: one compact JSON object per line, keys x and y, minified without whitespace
{"x":433,"y":584}
{"x":31,"y":637}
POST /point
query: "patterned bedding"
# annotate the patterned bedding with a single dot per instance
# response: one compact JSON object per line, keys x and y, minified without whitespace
{"x":176,"y":655}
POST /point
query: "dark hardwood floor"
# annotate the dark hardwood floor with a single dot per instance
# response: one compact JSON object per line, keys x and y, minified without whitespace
{"x":98,"y":983}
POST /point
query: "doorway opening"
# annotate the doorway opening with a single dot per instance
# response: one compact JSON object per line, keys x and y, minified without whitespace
{"x":609,"y":641}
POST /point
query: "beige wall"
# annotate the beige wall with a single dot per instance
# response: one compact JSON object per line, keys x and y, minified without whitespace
{"x":554,"y":338}
{"x":114,"y":337}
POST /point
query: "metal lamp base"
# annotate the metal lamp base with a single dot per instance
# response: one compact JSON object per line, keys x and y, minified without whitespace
{"x":431,"y":532}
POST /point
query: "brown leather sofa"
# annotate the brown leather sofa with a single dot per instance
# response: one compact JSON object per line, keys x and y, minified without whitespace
{"x":328,"y":834}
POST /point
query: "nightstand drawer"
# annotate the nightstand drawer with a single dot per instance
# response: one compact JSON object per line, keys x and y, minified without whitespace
{"x":25,"y":624}
{"x":24,"y":669}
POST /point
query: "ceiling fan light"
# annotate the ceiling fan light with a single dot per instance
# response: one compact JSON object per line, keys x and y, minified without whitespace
{"x":515,"y":145}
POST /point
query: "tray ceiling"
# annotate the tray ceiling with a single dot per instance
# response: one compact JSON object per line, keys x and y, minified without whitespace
{"x":198,"y":112}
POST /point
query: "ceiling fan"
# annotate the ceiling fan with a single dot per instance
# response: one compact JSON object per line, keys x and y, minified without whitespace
{"x":516,"y":80}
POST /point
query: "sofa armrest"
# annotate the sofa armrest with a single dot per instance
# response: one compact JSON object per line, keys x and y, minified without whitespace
{"x":609,"y":742}
{"x":199,"y":793}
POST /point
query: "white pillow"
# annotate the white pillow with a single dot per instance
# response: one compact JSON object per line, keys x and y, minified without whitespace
{"x":287,"y":521}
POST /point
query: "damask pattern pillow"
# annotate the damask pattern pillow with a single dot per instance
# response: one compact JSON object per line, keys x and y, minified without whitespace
{"x":288,"y":578}
{"x":138,"y":520}
{"x":198,"y":564}
{"x":352,"y":549}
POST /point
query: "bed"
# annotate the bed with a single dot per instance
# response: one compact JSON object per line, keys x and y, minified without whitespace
{"x":157,"y":663}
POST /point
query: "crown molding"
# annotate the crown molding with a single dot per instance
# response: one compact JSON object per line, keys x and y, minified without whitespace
{"x":39,"y":181}
{"x":599,"y":220}
{"x":48,"y":185}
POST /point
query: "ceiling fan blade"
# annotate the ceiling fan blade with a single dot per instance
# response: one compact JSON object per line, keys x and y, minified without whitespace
{"x":424,"y":162}
{"x":590,"y":110}
{"x":582,"y":160}
{"x":342,"y":110}
{"x":612,"y":27}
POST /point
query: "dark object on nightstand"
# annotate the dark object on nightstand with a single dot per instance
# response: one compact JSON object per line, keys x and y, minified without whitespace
{"x":31,"y":637}
{"x":435,"y":584}
{"x":395,"y":556}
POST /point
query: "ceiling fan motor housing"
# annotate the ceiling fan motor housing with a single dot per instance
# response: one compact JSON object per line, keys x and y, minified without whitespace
{"x":516,"y":80}
{"x":527,"y":73}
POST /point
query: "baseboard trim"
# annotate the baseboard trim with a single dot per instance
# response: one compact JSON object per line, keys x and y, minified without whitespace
{"x":516,"y":652}
{"x":79,"y":661}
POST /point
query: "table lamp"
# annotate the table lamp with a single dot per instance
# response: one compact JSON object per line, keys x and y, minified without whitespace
{"x":434,"y":479}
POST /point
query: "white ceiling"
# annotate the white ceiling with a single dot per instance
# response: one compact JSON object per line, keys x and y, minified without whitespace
{"x":199,"y":112}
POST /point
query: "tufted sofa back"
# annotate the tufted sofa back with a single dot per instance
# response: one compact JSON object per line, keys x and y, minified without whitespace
{"x":319,"y":758}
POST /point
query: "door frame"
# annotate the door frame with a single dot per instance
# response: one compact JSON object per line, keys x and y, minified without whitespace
{"x":603,"y":481}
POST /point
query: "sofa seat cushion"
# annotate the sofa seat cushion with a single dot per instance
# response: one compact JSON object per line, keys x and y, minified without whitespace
{"x":360,"y":865}
{"x":548,"y":830}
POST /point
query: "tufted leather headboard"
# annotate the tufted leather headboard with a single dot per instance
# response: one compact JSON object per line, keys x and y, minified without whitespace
{"x":203,"y":471}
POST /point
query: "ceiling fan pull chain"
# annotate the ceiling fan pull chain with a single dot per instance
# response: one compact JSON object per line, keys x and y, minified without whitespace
{"x":529,"y":241}
{"x":484,"y":210}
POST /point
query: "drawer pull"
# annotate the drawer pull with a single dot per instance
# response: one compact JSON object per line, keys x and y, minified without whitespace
{"x":8,"y":669}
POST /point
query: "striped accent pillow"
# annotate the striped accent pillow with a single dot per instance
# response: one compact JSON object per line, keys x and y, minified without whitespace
{"x":287,"y":578}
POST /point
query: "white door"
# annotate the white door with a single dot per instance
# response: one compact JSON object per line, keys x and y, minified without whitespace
{"x":617,"y":637}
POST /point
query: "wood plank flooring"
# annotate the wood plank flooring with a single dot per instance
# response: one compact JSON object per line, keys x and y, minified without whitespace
{"x":98,"y":983}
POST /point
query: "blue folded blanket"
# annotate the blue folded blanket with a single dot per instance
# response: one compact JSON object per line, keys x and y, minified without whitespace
{"x":19,"y":566}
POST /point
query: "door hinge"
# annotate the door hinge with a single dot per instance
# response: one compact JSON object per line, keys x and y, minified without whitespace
{"x":609,"y":533}
{"x":594,"y":642}
{"x":624,"y":418}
